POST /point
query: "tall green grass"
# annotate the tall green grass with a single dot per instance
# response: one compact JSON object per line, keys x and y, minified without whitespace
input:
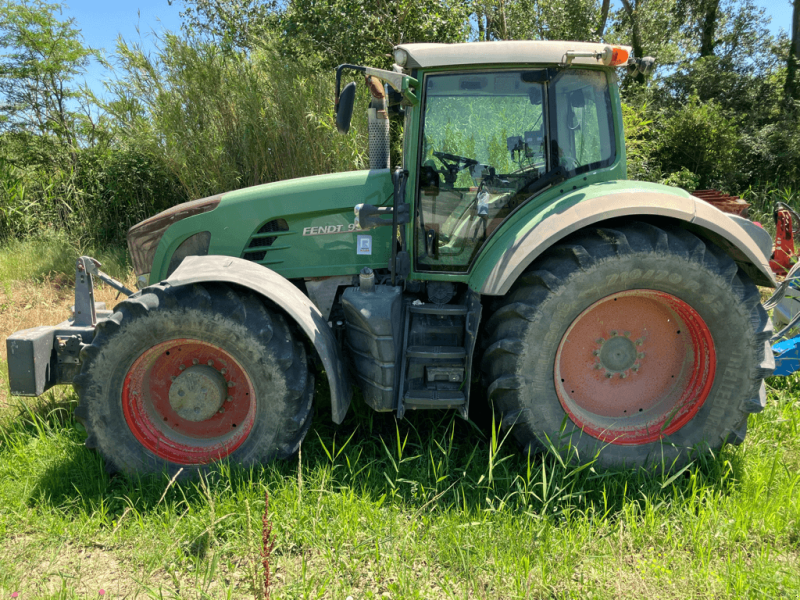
{"x":223,"y":119}
{"x":762,"y":199}
{"x":428,"y":507}
{"x":53,"y":254}
{"x":93,"y":194}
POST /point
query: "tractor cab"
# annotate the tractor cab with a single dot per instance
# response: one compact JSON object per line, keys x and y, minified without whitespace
{"x":482,"y":140}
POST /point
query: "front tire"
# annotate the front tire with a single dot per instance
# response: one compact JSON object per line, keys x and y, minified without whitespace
{"x":181,"y":377}
{"x":636,"y":344}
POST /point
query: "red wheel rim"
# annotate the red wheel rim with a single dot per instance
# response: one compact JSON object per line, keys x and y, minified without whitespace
{"x":634,"y":367}
{"x":153,"y":419}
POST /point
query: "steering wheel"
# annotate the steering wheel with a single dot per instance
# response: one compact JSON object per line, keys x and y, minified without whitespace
{"x":453,"y":164}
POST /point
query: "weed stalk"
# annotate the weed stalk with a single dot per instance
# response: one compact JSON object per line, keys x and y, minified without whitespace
{"x":267,"y":543}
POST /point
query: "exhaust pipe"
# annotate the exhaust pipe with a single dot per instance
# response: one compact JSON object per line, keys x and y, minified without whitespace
{"x":378,"y":121}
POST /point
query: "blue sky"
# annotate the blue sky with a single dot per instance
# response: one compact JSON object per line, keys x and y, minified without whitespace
{"x":102,"y":21}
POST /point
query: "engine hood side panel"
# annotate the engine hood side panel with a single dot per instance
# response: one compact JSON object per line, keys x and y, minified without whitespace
{"x":321,"y":239}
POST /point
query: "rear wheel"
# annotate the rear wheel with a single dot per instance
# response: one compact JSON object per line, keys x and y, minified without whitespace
{"x":181,"y":377}
{"x":640,"y":342}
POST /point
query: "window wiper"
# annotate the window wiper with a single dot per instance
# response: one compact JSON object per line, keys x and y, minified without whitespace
{"x":550,"y":178}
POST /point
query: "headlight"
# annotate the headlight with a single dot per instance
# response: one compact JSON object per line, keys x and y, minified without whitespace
{"x":196,"y":245}
{"x":143,"y":238}
{"x":400,"y":57}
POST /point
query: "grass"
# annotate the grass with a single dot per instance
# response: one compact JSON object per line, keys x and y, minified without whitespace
{"x":428,"y":507}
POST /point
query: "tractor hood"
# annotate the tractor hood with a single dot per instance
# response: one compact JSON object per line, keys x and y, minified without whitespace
{"x":299,"y":227}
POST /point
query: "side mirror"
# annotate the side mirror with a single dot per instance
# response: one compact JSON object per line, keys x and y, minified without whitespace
{"x":344,"y":108}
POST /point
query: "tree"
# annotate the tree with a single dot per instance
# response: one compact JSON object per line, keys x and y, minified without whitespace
{"x":234,"y":23}
{"x":791,"y":87}
{"x":651,"y":28}
{"x":41,"y":57}
{"x":366,"y":31}
{"x":601,"y":23}
{"x":540,"y":19}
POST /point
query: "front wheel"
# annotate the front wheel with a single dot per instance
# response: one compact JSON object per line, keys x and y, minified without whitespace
{"x":636,"y":344}
{"x":181,"y":377}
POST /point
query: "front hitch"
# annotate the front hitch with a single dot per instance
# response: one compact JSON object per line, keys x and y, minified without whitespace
{"x":45,"y":356}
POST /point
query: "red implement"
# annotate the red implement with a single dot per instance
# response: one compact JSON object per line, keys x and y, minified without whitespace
{"x":724,"y":202}
{"x":783,"y":252}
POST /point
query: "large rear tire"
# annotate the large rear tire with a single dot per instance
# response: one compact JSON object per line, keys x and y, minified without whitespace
{"x":181,"y":377}
{"x":639,"y":342}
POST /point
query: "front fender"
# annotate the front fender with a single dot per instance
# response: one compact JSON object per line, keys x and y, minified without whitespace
{"x":270,"y":285}
{"x":519,"y":245}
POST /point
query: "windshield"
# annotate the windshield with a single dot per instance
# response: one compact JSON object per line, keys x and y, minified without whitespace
{"x":492,"y":140}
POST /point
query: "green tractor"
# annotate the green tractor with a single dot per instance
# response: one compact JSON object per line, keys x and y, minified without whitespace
{"x":599,"y":317}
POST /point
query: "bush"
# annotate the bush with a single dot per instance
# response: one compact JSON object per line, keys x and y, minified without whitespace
{"x":91,"y":194}
{"x":700,"y":138}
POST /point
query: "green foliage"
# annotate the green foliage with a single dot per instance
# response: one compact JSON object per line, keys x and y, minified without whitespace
{"x":537,"y":19}
{"x":702,"y":139}
{"x":233,"y":23}
{"x":63,"y":165}
{"x":638,"y":139}
{"x":683,"y":179}
{"x":226,"y":120}
{"x":93,"y":193}
{"x":762,"y":199}
{"x":365,"y":31}
{"x":651,"y":27}
{"x":52,"y":254}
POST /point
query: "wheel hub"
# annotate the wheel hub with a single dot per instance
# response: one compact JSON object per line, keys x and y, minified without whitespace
{"x":198,"y":393}
{"x":617,"y":354}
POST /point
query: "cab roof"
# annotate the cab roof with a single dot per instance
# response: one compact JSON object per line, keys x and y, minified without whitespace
{"x":492,"y":53}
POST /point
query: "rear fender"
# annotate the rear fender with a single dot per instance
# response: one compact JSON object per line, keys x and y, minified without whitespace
{"x":508,"y":258}
{"x":279,"y":290}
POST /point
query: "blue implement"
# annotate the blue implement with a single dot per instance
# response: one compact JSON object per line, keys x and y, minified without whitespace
{"x":787,"y":356}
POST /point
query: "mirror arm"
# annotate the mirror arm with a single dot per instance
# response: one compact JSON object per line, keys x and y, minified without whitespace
{"x":339,"y":70}
{"x":410,"y":97}
{"x":401,"y":83}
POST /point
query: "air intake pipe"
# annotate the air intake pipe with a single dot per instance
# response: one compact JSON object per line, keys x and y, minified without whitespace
{"x":378,"y":120}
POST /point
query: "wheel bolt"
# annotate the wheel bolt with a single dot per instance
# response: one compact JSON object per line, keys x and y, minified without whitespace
{"x":221,"y":410}
{"x":600,"y":341}
{"x":609,"y":375}
{"x":173,"y":378}
{"x":597,"y":366}
{"x":623,"y":375}
{"x":639,"y":342}
{"x":627,"y":334}
{"x":195,"y":361}
{"x":229,"y":399}
{"x":182,"y":367}
{"x":613,"y":333}
{"x":596,"y":352}
{"x":641,"y":355}
{"x":223,"y":371}
{"x":231,"y":384}
{"x":635,"y":367}
{"x":210,"y":363}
